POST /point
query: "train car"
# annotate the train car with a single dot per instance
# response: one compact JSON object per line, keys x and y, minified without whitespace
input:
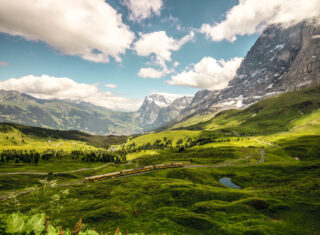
{"x":148,"y":168}
{"x":160,"y":166}
{"x":127,"y":172}
{"x":111,"y":175}
{"x":101,"y":177}
{"x":178,"y":164}
{"x":171,"y":165}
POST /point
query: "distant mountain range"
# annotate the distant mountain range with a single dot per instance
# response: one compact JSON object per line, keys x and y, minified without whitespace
{"x":24,"y":109}
{"x":281,"y":60}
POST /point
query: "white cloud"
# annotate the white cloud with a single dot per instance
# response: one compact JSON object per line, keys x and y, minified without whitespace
{"x":251,"y":16}
{"x":91,"y":29}
{"x":3,"y":63}
{"x":160,"y":45}
{"x":151,"y":73}
{"x":113,"y":86}
{"x":142,"y":9}
{"x":208,"y":73}
{"x":47,"y":87}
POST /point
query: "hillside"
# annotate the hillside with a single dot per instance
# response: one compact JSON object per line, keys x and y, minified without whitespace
{"x":286,"y":119}
{"x":26,"y":137}
{"x":64,"y":115}
{"x":276,"y":170}
{"x":267,"y":116}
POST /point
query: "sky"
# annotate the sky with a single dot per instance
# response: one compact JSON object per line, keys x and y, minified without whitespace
{"x":113,"y":53}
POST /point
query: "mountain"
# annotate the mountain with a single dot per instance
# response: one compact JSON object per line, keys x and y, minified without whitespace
{"x":156,"y":110}
{"x":65,"y":115}
{"x":159,"y":109}
{"x":281,"y":60}
{"x":289,"y":111}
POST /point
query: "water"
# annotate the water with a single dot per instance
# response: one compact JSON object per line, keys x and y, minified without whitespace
{"x":227,"y":182}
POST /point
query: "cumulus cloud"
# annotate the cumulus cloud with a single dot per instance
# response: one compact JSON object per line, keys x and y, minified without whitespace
{"x":47,"y":87}
{"x":251,"y":16}
{"x":142,"y":9}
{"x":113,"y":86}
{"x":160,"y":45}
{"x":91,"y":29}
{"x":208,"y":73}
{"x":3,"y":63}
{"x":151,"y":73}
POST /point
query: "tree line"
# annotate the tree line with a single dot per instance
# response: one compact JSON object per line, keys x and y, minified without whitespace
{"x":180,"y":145}
{"x":33,"y":156}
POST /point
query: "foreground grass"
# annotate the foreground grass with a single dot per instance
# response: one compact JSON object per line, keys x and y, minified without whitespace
{"x":280,"y":196}
{"x":275,"y":199}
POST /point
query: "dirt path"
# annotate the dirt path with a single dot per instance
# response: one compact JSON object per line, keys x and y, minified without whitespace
{"x":225,"y":164}
{"x":265,"y":142}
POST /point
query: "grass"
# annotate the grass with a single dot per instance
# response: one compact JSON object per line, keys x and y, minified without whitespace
{"x":267,"y":116}
{"x":15,"y":139}
{"x":279,"y":196}
{"x":276,"y":198}
{"x":170,"y":135}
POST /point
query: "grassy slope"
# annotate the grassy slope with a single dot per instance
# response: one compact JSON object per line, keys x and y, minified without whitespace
{"x":15,"y":139}
{"x":280,"y":196}
{"x":267,"y":116}
{"x":22,"y":108}
{"x":35,"y":134}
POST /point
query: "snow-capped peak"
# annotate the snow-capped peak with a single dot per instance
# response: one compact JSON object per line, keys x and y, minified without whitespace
{"x":162,"y":99}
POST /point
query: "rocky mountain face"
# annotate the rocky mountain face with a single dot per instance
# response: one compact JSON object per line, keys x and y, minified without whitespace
{"x":281,"y":60}
{"x":158,"y":110}
{"x":24,"y":109}
{"x":201,"y":102}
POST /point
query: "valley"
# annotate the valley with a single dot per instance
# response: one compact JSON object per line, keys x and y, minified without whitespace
{"x":277,"y":169}
{"x":153,"y":117}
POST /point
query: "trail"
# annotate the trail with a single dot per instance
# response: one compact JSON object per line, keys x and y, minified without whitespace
{"x":265,"y":142}
{"x":225,"y":164}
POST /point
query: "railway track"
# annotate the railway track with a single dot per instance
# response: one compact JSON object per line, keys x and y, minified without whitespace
{"x":225,"y":164}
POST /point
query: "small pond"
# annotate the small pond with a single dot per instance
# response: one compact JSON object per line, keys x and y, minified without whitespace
{"x":227,"y":182}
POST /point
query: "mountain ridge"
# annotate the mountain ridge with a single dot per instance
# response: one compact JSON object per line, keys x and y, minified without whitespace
{"x":21,"y":108}
{"x":281,"y":60}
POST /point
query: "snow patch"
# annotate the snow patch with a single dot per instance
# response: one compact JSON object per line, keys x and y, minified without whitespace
{"x":279,"y":46}
{"x":270,"y":86}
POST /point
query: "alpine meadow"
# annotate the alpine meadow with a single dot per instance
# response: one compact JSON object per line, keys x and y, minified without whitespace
{"x":159,"y":117}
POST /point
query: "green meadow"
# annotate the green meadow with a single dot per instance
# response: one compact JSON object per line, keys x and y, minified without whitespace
{"x":279,"y":195}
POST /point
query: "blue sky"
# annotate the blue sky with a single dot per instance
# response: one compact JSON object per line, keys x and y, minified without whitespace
{"x":123,"y":37}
